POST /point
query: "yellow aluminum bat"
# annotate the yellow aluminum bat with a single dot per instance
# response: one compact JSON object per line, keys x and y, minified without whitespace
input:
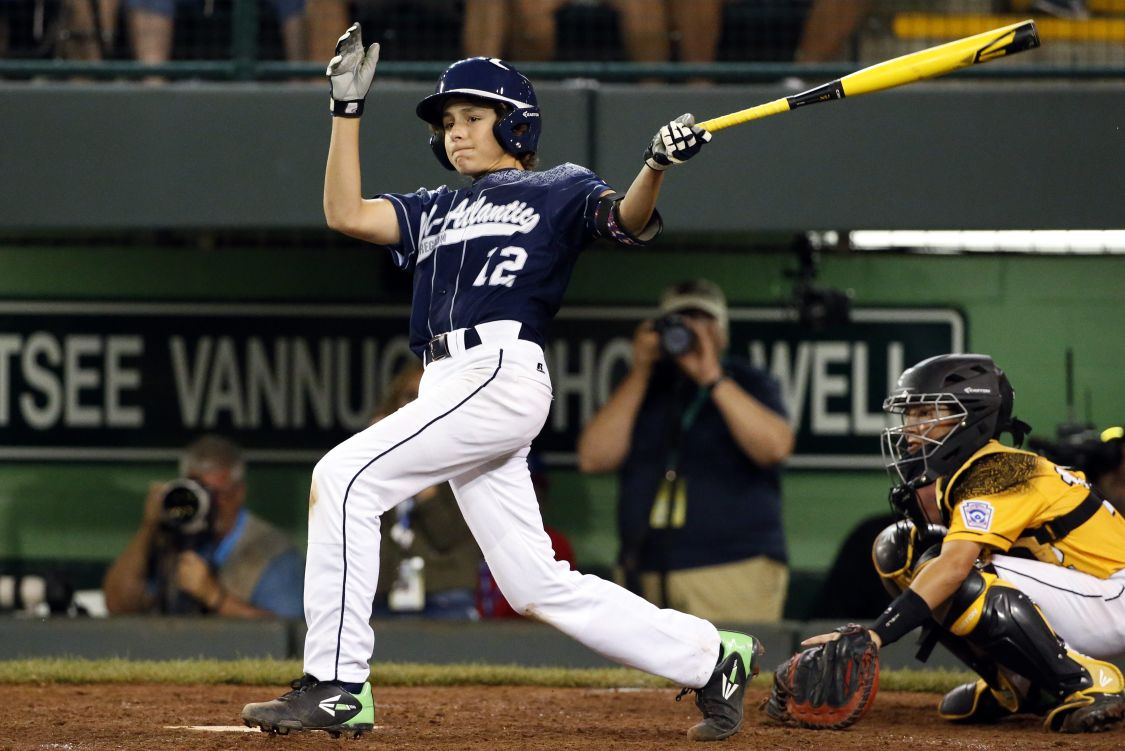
{"x":927,"y":63}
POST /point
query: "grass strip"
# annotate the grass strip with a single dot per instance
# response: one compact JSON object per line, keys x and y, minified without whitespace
{"x":258,"y":672}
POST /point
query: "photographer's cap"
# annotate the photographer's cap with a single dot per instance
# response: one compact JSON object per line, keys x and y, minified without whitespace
{"x":696,"y":294}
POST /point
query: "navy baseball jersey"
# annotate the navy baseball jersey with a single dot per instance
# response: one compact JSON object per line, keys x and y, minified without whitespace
{"x":502,"y":248}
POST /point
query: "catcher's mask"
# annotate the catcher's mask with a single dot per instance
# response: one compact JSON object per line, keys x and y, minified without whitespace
{"x":950,"y":406}
{"x":492,"y":80}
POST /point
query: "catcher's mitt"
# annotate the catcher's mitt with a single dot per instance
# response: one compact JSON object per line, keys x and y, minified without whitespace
{"x":829,"y":686}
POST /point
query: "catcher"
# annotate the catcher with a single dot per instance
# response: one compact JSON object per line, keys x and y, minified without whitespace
{"x":1013,"y":563}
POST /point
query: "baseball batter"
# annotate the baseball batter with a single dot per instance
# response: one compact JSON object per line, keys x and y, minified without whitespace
{"x":1026,"y":578}
{"x":490,"y":260}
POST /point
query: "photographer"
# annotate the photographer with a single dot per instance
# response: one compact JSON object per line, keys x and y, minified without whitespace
{"x":697,"y":438}
{"x":198,"y":550}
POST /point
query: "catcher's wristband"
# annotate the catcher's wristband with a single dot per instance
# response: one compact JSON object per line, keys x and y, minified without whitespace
{"x":907,"y":612}
{"x":345,"y":109}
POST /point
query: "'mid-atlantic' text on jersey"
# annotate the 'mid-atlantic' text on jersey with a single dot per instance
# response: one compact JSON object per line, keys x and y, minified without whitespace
{"x":502,"y":248}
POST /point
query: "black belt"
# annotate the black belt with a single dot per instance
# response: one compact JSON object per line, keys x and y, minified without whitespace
{"x":438,"y":347}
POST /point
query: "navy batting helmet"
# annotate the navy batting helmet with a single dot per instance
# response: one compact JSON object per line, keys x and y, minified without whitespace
{"x":495,"y":81}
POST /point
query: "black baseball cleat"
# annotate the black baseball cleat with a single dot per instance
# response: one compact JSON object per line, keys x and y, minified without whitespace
{"x":1097,"y":707}
{"x":1101,"y":713}
{"x":314,"y":705}
{"x":721,"y":700}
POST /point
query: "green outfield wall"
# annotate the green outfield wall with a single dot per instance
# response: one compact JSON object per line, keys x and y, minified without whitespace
{"x":116,"y":197}
{"x":1026,"y":311}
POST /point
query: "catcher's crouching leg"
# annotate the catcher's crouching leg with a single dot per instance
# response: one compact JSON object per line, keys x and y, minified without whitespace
{"x":1076,"y":693}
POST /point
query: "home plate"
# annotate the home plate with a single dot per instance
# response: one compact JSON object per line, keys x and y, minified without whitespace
{"x":221,"y":728}
{"x":214,"y":728}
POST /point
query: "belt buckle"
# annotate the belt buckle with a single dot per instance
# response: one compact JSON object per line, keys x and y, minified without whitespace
{"x":438,"y":348}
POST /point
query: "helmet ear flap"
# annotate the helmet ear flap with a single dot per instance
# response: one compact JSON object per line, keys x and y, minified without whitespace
{"x":518,"y":130}
{"x":437,"y":145}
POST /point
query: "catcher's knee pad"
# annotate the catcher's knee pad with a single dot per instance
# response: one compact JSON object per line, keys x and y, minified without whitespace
{"x":1003,"y":623}
{"x":901,"y":550}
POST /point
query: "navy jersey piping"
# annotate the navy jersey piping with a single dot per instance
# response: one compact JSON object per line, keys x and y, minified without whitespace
{"x":433,"y":274}
{"x":409,"y":232}
{"x":457,"y":281}
{"x":464,"y":247}
{"x":347,"y":492}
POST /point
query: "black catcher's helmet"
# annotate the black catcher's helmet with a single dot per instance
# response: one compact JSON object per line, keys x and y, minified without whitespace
{"x":967,"y":391}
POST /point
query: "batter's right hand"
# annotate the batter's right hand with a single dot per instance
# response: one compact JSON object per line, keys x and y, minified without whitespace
{"x":351,"y":72}
{"x":675,"y":143}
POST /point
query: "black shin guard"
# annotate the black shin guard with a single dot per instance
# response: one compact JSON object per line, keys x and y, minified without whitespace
{"x":1003,"y":628}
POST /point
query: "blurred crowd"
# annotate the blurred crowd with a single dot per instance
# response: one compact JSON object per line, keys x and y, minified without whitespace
{"x":642,"y":31}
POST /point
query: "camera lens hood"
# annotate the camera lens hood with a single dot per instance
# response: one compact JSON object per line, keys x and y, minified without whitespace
{"x":186,"y":507}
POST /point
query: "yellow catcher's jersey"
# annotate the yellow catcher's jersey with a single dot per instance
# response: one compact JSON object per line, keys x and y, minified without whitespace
{"x":1000,"y":493}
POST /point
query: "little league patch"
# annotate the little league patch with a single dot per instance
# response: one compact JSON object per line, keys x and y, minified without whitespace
{"x":977,"y":515}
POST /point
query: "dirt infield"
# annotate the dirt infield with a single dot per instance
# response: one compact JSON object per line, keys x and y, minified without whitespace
{"x":137,"y":718}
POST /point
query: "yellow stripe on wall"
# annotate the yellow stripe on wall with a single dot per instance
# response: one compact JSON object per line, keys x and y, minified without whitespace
{"x":936,"y":26}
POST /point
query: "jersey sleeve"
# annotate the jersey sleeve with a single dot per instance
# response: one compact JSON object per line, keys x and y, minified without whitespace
{"x":574,"y":195}
{"x":410,"y":208}
{"x":996,"y":520}
{"x":599,"y":215}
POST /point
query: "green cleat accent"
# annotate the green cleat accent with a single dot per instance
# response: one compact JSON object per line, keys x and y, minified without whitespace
{"x":721,"y":700}
{"x":314,"y":705}
{"x":749,"y":647}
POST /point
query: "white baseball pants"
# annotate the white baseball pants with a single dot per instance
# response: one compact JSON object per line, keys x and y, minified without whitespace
{"x":1087,"y":612}
{"x":472,"y":425}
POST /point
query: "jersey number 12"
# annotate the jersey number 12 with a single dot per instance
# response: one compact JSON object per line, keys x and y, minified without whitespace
{"x":503,"y":273}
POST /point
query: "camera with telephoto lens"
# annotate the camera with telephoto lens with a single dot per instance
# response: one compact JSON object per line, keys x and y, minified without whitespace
{"x":187,"y":512}
{"x":676,"y":337}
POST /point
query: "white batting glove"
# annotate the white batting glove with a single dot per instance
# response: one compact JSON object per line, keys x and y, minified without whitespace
{"x":350,"y":73}
{"x":675,"y":143}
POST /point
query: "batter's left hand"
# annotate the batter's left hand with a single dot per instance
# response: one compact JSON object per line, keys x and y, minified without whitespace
{"x":350,"y":73}
{"x":675,"y":143}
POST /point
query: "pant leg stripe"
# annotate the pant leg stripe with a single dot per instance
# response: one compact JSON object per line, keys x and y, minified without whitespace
{"x":347,"y":492}
{"x":1051,"y":585}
